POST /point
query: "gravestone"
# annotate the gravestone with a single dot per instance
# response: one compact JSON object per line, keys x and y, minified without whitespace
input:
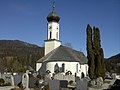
{"x":99,"y":81}
{"x":9,"y":80}
{"x":25,"y":81}
{"x":114,"y":75}
{"x":81,"y":84}
{"x":54,"y":85}
{"x":12,"y":80}
{"x":0,"y":74}
{"x":85,"y":83}
{"x":69,"y":78}
{"x":34,"y":82}
{"x":93,"y":82}
{"x":77,"y":78}
{"x":17,"y":79}
{"x":87,"y":78}
{"x":63,"y":83}
{"x":59,"y":76}
{"x":46,"y":81}
{"x":48,"y":76}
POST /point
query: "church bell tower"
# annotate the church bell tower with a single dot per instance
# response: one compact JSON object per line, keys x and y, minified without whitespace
{"x":52,"y":41}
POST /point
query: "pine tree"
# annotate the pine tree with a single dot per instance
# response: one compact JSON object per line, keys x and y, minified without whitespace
{"x":90,"y":53}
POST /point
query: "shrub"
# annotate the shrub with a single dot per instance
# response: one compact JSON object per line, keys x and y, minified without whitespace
{"x":2,"y":81}
{"x":70,"y":82}
{"x":8,"y":84}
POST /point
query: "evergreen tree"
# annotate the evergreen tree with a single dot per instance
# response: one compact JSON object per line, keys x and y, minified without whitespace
{"x":102,"y":63}
{"x":90,"y":53}
{"x":95,"y":53}
{"x":96,"y":41}
{"x":97,"y":56}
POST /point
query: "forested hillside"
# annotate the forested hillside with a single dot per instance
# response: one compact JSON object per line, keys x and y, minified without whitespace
{"x":113,"y":64}
{"x":17,"y":55}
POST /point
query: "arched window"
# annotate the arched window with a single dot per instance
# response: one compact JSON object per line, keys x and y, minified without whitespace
{"x":82,"y":75}
{"x":56,"y":35}
{"x":77,"y":68}
{"x":56,"y":68}
{"x":80,"y":66}
{"x":63,"y":67}
{"x":50,"y":34}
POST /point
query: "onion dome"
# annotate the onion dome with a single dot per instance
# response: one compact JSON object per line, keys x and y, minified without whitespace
{"x":53,"y":17}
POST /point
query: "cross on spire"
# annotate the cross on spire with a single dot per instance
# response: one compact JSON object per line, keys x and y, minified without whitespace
{"x":53,"y":6}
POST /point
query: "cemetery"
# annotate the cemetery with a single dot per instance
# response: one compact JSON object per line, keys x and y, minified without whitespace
{"x":59,"y":67}
{"x":32,"y":81}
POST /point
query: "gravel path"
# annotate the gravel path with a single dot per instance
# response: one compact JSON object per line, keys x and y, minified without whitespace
{"x":6,"y":87}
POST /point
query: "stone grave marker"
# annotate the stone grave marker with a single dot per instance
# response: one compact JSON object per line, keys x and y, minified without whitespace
{"x":99,"y":81}
{"x":17,"y":79}
{"x":9,"y":80}
{"x":85,"y":83}
{"x":47,"y":79}
{"x":63,"y":83}
{"x":59,"y":76}
{"x":12,"y":80}
{"x":93,"y":82}
{"x":81,"y":84}
{"x":54,"y":84}
{"x":25,"y":81}
{"x":0,"y":74}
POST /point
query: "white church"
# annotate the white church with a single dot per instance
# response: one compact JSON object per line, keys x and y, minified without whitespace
{"x":59,"y":58}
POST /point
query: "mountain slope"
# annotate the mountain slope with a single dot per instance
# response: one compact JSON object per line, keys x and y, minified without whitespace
{"x":113,"y":64}
{"x":15,"y":55}
{"x":115,"y":58}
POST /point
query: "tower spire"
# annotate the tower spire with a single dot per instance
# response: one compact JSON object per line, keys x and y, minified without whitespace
{"x":53,"y":6}
{"x":52,"y":41}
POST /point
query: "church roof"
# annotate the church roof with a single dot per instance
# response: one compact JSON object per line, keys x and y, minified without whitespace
{"x":63,"y":53}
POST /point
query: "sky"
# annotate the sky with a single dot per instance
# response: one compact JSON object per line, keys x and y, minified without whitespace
{"x":25,"y":20}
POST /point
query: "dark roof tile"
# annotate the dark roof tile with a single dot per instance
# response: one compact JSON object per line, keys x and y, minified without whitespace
{"x":63,"y":53}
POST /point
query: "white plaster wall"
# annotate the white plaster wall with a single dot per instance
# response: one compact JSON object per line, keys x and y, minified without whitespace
{"x":38,"y":66}
{"x":69,"y":66}
{"x":54,"y":30}
{"x":84,"y":69}
{"x":51,"y":45}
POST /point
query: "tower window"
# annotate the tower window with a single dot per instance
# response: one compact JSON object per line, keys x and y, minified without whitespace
{"x":50,"y":27}
{"x":50,"y":34}
{"x":57,"y":35}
